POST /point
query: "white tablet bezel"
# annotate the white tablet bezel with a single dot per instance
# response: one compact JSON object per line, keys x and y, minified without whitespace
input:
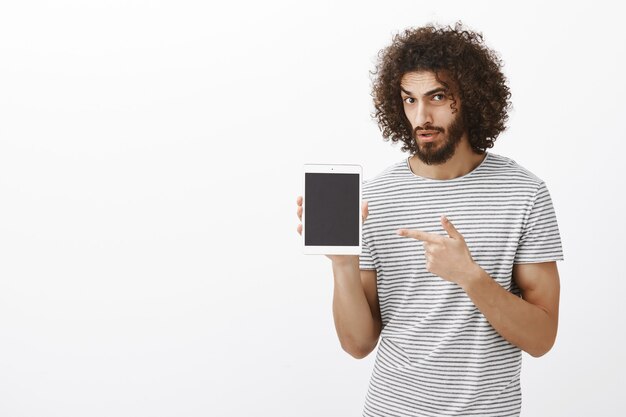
{"x":332,"y":169}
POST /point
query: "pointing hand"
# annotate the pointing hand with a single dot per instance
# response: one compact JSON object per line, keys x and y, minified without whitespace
{"x":446,"y":256}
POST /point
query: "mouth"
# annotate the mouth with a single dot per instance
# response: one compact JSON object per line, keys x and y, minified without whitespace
{"x":427,"y":136}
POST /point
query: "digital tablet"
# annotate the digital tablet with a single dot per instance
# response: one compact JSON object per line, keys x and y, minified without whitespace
{"x":331,"y":209}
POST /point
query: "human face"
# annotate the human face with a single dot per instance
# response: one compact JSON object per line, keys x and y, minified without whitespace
{"x":437,"y":128}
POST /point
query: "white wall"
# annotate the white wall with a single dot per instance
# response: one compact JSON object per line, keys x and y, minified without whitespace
{"x":150,"y":160}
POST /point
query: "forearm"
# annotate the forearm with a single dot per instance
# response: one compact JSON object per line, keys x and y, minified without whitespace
{"x":354,"y":323}
{"x":523,"y":324}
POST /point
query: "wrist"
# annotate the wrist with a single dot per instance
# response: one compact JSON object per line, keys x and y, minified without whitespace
{"x":473,"y":274}
{"x":345,"y":260}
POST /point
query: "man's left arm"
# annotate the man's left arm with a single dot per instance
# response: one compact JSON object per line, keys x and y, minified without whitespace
{"x":530,"y":322}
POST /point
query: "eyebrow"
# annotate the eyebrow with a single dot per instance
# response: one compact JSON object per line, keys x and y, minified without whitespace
{"x":428,"y":93}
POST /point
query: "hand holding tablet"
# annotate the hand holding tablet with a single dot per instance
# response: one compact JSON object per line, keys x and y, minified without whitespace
{"x":332,"y":210}
{"x":333,"y":258}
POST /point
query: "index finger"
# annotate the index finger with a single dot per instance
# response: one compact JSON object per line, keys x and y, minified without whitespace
{"x":420,"y":235}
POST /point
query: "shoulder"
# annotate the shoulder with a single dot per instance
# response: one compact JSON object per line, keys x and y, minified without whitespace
{"x":513,"y":171}
{"x":387,"y":176}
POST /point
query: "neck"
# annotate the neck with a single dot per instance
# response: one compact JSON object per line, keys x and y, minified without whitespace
{"x":461,"y":163}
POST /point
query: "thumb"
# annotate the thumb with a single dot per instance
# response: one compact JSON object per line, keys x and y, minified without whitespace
{"x":449,"y":227}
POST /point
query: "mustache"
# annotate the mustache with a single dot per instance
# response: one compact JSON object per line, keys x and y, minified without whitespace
{"x":435,"y":128}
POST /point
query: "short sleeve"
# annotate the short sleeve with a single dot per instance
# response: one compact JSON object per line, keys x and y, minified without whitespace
{"x":540,"y":240}
{"x":366,"y":261}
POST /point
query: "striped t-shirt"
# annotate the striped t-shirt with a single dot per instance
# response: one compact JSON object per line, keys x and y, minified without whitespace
{"x":437,"y":354}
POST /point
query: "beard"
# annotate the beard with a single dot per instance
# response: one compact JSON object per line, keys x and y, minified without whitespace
{"x":442,"y":149}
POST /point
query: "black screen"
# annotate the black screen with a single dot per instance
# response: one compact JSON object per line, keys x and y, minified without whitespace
{"x":332,"y":212}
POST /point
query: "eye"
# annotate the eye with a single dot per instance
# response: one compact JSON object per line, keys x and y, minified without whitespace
{"x":409,"y":98}
{"x":439,"y":95}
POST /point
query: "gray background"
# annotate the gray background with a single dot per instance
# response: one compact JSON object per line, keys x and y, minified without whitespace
{"x":150,"y":160}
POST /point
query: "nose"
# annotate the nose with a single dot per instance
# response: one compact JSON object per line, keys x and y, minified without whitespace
{"x":422,"y":117}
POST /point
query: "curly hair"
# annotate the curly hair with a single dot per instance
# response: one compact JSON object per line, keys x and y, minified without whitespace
{"x":458,"y":52}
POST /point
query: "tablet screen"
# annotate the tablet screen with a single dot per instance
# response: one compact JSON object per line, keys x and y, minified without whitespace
{"x":332,"y":209}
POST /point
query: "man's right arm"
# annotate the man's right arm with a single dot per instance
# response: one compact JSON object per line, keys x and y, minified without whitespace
{"x":355,"y":307}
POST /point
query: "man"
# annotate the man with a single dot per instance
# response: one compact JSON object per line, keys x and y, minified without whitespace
{"x":457,"y":275}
